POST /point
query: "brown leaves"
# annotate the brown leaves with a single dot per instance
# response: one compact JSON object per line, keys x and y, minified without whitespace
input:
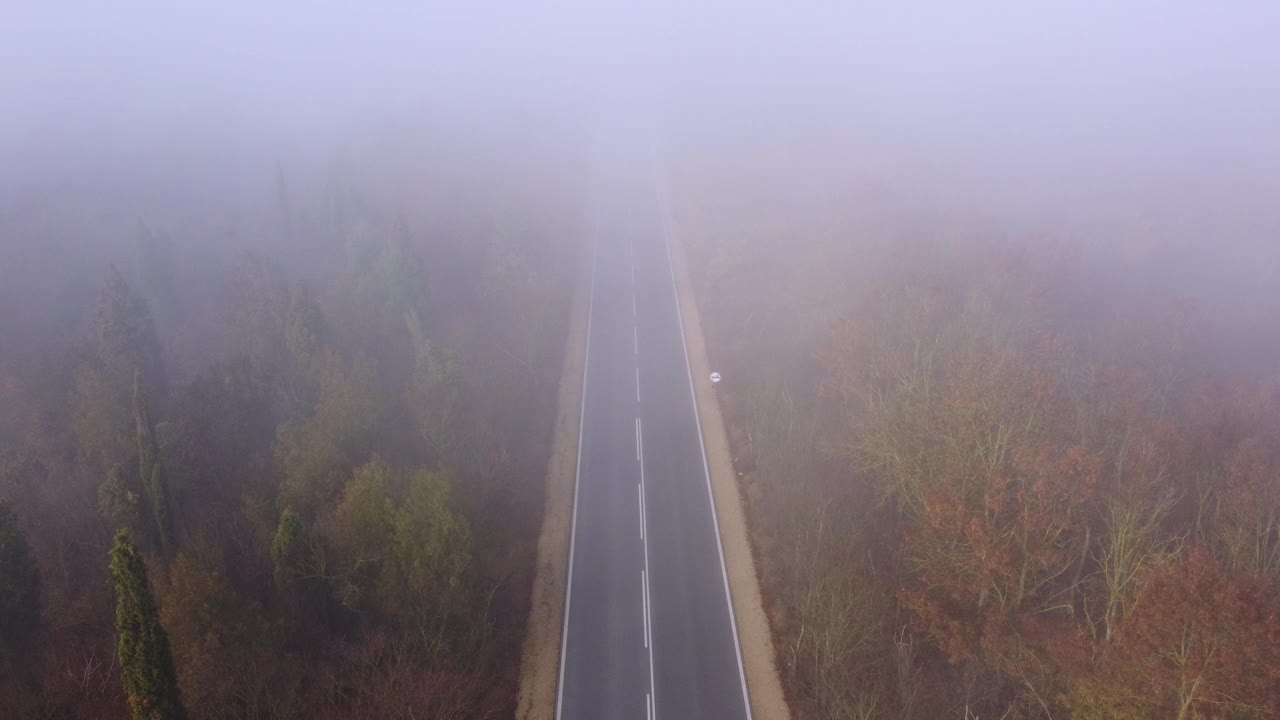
{"x":1203,"y":641}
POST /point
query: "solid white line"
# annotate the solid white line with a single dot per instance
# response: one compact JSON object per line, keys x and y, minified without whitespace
{"x":577,"y":480}
{"x":648,"y":706}
{"x":640,"y":492}
{"x":637,"y":438}
{"x":637,"y":383}
{"x":645,"y":543}
{"x":644,"y":601}
{"x":706,"y":468}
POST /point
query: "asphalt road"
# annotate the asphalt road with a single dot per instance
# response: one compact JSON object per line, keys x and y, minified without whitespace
{"x":648,"y":629}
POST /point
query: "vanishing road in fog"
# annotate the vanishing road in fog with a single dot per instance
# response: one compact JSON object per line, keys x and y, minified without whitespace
{"x":649,"y":630}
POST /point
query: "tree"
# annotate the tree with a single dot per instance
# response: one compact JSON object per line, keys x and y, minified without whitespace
{"x":318,"y":450}
{"x":217,"y":635}
{"x":146,"y":664}
{"x":127,"y":340}
{"x":150,"y":469}
{"x":20,"y":594}
{"x":431,"y":555}
{"x":120,"y":500}
{"x":1202,"y":642}
{"x":361,"y":530}
{"x":287,"y":547}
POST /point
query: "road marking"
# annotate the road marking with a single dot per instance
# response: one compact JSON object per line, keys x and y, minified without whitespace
{"x":633,"y":300}
{"x":648,"y":706}
{"x":638,"y":441}
{"x":577,"y":481}
{"x":635,"y":337}
{"x":648,"y":636}
{"x":706,"y":468}
{"x":640,"y":492}
{"x":644,"y":600}
{"x":637,"y":383}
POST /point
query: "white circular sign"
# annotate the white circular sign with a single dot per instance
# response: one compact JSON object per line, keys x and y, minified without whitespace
{"x":715,"y":378}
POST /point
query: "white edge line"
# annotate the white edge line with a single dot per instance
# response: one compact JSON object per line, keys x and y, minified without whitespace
{"x":653,"y":692}
{"x":577,"y":480}
{"x":644,"y":599}
{"x":706,"y":468}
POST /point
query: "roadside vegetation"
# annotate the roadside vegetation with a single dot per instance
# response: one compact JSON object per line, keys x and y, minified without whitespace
{"x":992,"y":473}
{"x":313,"y":418}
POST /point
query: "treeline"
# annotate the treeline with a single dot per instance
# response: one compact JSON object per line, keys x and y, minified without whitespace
{"x":334,"y":515}
{"x":983,"y":481}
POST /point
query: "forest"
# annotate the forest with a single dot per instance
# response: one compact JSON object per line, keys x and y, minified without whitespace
{"x":994,"y":471}
{"x":273,"y":439}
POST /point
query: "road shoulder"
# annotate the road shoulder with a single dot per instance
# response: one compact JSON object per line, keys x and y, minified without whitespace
{"x":540,"y":656}
{"x":763,"y":683}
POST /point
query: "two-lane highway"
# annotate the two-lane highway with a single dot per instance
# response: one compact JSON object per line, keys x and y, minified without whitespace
{"x":648,"y":629}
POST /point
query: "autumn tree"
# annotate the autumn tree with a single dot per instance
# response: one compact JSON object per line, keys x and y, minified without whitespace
{"x":146,"y":664}
{"x":219,"y":637}
{"x":1202,"y":642}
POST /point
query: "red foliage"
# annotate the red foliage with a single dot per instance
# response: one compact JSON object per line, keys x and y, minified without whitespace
{"x":990,"y":562}
{"x":1203,"y":639}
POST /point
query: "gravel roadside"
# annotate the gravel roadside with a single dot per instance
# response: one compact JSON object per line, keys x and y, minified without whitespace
{"x":540,"y":657}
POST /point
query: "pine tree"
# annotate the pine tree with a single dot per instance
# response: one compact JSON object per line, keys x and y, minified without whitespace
{"x":146,"y":664}
{"x":20,"y":590}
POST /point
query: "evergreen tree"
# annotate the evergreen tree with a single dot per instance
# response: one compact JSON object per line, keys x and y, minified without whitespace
{"x":150,"y":470}
{"x":146,"y":664}
{"x":20,"y":590}
{"x":127,"y":340}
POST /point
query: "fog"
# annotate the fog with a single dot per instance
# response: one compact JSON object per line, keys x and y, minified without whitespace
{"x":285,"y":288}
{"x":1093,"y":120}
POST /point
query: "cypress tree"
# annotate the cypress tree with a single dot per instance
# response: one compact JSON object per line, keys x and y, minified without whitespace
{"x":146,"y":664}
{"x":150,"y":471}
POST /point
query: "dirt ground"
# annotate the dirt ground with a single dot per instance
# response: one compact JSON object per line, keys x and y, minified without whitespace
{"x":768,"y":702}
{"x":540,"y":657}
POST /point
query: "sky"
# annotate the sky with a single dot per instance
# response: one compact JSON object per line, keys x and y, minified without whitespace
{"x":1086,"y":100}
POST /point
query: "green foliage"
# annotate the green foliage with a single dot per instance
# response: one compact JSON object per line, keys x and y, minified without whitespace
{"x":150,"y":469}
{"x":287,"y":547}
{"x":159,"y":488}
{"x":120,"y":499}
{"x":148,"y":451}
{"x":146,"y":665}
{"x":317,"y":451}
{"x":216,"y":633}
{"x":361,"y":530}
{"x":100,"y":419}
{"x":433,"y":544}
{"x":20,"y":594}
